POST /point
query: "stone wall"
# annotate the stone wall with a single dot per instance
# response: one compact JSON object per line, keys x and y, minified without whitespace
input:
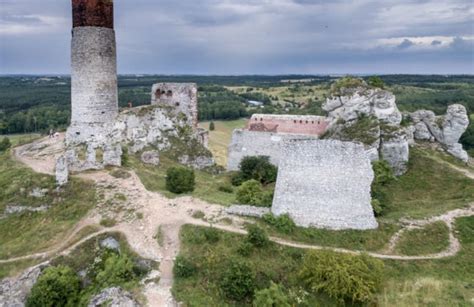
{"x":255,"y":143}
{"x":294,"y":124}
{"x":180,"y":97}
{"x":325,"y":184}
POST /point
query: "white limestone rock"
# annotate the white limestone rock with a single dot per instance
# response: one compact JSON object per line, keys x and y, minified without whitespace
{"x":62,"y":171}
{"x":395,"y":150}
{"x":114,"y":297}
{"x":455,"y":124}
{"x":15,"y":291}
{"x":151,"y":157}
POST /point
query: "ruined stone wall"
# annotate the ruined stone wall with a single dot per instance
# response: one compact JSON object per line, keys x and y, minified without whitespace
{"x":180,"y":97}
{"x":295,"y":124}
{"x":255,"y":143}
{"x":93,"y":13}
{"x":325,"y":184}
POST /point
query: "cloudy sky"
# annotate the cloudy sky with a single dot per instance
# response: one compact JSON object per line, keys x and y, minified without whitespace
{"x":252,"y":36}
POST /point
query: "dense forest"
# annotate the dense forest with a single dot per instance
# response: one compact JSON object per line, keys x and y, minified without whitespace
{"x":39,"y":103}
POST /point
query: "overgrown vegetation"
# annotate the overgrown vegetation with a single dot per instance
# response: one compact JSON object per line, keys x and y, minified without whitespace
{"x":431,"y":239}
{"x":257,"y":168}
{"x":252,"y":193}
{"x":180,"y":179}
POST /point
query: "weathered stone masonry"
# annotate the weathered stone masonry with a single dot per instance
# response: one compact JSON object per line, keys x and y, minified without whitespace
{"x":294,"y":124}
{"x":325,"y":184}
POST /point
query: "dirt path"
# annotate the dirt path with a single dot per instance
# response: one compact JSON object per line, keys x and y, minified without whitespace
{"x":157,"y":211}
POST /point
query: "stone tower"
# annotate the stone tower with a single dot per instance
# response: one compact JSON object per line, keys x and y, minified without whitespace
{"x":94,"y":97}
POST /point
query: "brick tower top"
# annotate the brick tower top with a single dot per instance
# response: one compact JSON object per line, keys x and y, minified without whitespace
{"x":93,"y":13}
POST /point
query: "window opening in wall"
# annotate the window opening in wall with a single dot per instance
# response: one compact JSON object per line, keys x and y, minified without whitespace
{"x":301,"y":121}
{"x":78,"y":133}
{"x":177,"y":104}
{"x":169,"y":93}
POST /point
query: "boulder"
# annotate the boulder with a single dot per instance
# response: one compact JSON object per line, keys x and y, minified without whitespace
{"x":395,"y":150}
{"x":455,"y":124}
{"x":151,"y":157}
{"x":114,"y":297}
{"x":62,"y":171}
{"x":15,"y":291}
{"x":110,"y":243}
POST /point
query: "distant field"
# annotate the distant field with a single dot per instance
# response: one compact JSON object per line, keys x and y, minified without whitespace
{"x":17,"y":139}
{"x":220,"y":138}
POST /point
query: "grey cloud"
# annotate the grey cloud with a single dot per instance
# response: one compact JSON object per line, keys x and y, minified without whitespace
{"x":436,"y":43}
{"x":405,"y":44}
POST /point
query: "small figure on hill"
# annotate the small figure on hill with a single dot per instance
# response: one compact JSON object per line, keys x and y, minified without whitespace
{"x":212,"y":127}
{"x":51,"y":133}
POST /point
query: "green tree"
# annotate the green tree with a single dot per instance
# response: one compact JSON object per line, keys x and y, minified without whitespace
{"x":257,"y":236}
{"x":258,"y":168}
{"x":342,"y":276}
{"x":180,"y":179}
{"x":238,"y":281}
{"x":118,"y":269}
{"x":212,"y":127}
{"x":183,"y":267}
{"x":57,"y":286}
{"x":5,"y":144}
{"x":274,"y":296}
{"x":376,"y":81}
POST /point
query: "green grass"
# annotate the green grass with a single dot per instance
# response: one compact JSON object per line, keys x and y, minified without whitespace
{"x":441,"y":282}
{"x":365,"y":240}
{"x":19,"y":139}
{"x":27,"y":233}
{"x":211,"y":258}
{"x":207,"y":185}
{"x":17,"y":267}
{"x":219,"y":139}
{"x":431,"y":239}
{"x":428,"y":188}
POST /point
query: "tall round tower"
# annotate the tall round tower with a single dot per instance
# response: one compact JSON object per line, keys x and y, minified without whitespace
{"x":94,"y":66}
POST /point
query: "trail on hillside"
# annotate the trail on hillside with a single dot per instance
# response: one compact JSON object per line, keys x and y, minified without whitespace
{"x":171,"y":214}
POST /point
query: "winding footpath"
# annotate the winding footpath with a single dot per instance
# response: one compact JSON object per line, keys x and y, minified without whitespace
{"x":169,"y":215}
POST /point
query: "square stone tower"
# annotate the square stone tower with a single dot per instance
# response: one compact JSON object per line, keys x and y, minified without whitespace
{"x":94,"y":96}
{"x":179,"y":97}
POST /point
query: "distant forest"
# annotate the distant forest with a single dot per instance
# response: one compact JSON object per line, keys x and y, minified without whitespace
{"x":39,"y":103}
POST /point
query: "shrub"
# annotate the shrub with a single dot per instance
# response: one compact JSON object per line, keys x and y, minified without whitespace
{"x":282,"y":223}
{"x":342,"y":276}
{"x":108,"y":222}
{"x":250,"y":192}
{"x":271,"y":297}
{"x":183,"y":267}
{"x":257,"y":236}
{"x":226,"y":189}
{"x":5,"y":144}
{"x":377,"y":207}
{"x":180,"y":179}
{"x":118,"y":269}
{"x":57,"y":286}
{"x":258,"y":168}
{"x":238,"y":281}
{"x":376,"y":81}
{"x":212,"y":127}
{"x":237,"y":179}
{"x":266,"y":198}
{"x":383,"y":172}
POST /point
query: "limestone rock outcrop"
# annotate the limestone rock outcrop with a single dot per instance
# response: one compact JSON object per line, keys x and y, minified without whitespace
{"x":15,"y":291}
{"x":445,"y":129}
{"x":62,"y":171}
{"x":151,"y":157}
{"x":370,"y":116}
{"x":113,"y":297}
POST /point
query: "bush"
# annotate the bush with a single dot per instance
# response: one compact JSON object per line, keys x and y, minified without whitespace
{"x":383,"y":172}
{"x":377,"y":207}
{"x":271,"y":297}
{"x":5,"y":144}
{"x":342,"y":276}
{"x":257,"y":236}
{"x":180,"y":180}
{"x":118,"y":269}
{"x":376,"y":81}
{"x":212,"y":127}
{"x":237,"y":179}
{"x":57,"y":286}
{"x":225,"y":189}
{"x":183,"y":267}
{"x":258,"y":168}
{"x":282,"y":223}
{"x":250,"y":192}
{"x":238,"y":281}
{"x":124,"y":158}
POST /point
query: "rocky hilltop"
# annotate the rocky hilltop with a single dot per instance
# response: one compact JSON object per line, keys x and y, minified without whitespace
{"x":370,"y":115}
